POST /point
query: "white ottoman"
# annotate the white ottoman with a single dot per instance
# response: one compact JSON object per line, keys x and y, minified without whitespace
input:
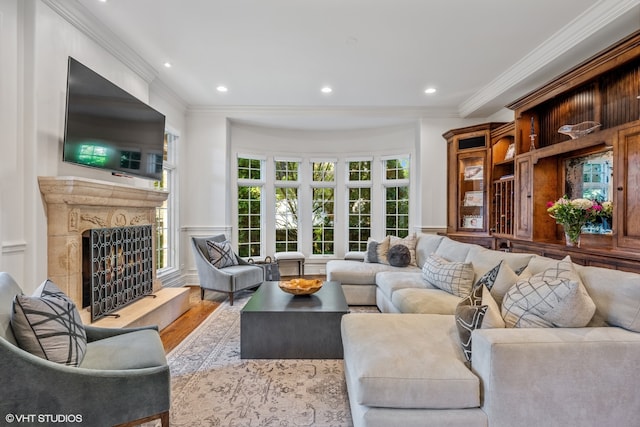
{"x":291,"y":256}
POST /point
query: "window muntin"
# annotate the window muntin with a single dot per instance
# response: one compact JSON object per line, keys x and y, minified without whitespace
{"x":287,"y":170}
{"x":396,"y":182}
{"x":166,"y":258}
{"x":250,"y":200}
{"x":358,"y":204}
{"x":322,"y":223}
{"x":359,"y":218}
{"x":286,"y":219}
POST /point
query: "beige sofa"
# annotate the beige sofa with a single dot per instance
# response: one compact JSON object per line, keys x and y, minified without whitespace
{"x":406,"y":367}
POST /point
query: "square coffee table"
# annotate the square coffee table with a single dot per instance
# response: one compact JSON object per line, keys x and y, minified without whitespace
{"x":278,"y":325}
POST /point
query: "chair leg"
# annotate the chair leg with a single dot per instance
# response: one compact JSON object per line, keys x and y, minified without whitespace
{"x":230,"y":298}
{"x":163,"y":417}
{"x":201,"y":294}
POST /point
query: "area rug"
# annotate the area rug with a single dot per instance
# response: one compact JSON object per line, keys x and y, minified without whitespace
{"x":213,"y":386}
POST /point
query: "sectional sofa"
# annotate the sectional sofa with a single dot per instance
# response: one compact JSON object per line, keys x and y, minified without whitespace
{"x":410,"y":366}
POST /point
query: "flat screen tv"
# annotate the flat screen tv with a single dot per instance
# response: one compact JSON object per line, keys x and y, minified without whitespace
{"x":108,"y":128}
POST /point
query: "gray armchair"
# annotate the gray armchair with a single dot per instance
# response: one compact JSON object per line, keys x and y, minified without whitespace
{"x":123,"y":378}
{"x":228,"y":279}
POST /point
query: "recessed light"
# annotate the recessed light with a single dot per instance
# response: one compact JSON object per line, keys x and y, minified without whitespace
{"x":326,"y":89}
{"x":222,"y":89}
{"x":167,"y":64}
{"x":430,"y":90}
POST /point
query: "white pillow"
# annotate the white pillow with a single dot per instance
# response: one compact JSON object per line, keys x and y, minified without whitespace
{"x":554,"y":297}
{"x":453,"y":277}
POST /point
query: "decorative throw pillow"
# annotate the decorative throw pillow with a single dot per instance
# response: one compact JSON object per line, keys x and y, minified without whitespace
{"x":453,"y":277}
{"x":377,"y":251}
{"x":492,"y":318}
{"x":410,"y":242}
{"x":468,"y":317}
{"x":221,"y":254}
{"x":48,"y":325}
{"x":555,"y":297}
{"x":399,"y":256}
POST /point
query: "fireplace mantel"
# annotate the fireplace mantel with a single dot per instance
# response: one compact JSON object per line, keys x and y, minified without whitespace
{"x":74,"y":205}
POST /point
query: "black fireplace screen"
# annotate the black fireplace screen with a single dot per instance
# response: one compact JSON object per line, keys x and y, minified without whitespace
{"x":121,"y":267}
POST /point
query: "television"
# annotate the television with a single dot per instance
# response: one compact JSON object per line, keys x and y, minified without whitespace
{"x":108,"y":128}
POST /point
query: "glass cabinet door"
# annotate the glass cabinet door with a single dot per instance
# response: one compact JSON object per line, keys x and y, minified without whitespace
{"x":471,"y":194}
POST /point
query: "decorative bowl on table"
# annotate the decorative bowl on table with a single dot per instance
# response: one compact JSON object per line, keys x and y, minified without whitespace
{"x":300,"y":286}
{"x":581,"y":129}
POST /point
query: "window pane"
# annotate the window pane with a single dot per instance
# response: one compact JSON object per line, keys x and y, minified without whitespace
{"x":249,"y":219}
{"x":286,"y":171}
{"x":286,"y":219}
{"x":397,"y":169}
{"x":249,"y":168}
{"x":164,"y":231}
{"x":359,"y":218}
{"x":323,"y":171}
{"x":397,"y":211}
{"x":322,"y":221}
{"x":360,"y":171}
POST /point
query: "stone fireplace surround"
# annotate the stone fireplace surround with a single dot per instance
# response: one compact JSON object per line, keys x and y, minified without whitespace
{"x":74,"y":205}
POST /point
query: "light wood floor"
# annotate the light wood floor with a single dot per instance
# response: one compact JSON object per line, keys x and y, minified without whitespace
{"x":173,"y":334}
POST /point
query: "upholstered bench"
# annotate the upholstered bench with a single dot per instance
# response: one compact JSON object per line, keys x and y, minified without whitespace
{"x":291,"y":256}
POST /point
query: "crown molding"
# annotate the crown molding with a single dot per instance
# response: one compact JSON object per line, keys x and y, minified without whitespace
{"x":77,"y":15}
{"x":592,"y":20}
{"x":159,"y":87}
{"x":355,"y":111}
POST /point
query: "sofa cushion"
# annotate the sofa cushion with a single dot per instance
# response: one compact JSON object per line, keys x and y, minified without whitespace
{"x":453,"y":250}
{"x":425,"y":246}
{"x":48,"y":325}
{"x":360,"y":273}
{"x":426,"y":301}
{"x":390,"y":281}
{"x":377,"y":251}
{"x":485,"y":259}
{"x":410,"y":242}
{"x":616,"y":295}
{"x":554,"y":297}
{"x":221,"y":254}
{"x":453,"y":277}
{"x":387,"y":372}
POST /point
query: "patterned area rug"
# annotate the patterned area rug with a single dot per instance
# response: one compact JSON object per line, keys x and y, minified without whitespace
{"x":213,"y":386}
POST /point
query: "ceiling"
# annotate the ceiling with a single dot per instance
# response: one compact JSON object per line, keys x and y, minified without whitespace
{"x":378,"y":56}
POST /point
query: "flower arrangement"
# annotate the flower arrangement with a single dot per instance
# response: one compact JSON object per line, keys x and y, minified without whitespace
{"x":574,"y":214}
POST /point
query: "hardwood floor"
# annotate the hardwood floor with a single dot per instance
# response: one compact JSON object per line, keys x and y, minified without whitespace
{"x":178,"y":330}
{"x":173,"y":334}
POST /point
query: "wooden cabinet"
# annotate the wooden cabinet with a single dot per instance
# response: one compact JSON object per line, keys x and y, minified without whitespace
{"x":524,"y":205}
{"x":468,"y":161}
{"x":515,"y":191}
{"x":627,"y":185}
{"x":502,"y":195}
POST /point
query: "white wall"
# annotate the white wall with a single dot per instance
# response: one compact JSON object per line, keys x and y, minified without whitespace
{"x":12,"y":240}
{"x":35,"y":44}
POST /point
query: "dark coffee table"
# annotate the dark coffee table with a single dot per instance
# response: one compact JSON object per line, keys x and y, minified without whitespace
{"x":278,"y":325}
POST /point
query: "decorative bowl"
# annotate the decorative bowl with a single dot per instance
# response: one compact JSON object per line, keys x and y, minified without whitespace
{"x":578,"y":130}
{"x":301,"y":286}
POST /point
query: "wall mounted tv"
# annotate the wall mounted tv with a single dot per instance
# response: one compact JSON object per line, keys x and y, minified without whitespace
{"x":108,"y":128}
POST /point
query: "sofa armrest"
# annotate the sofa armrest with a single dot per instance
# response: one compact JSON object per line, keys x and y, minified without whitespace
{"x":558,"y":376}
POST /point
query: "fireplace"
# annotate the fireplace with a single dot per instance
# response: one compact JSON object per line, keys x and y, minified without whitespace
{"x":76,"y":206}
{"x":117,"y":268}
